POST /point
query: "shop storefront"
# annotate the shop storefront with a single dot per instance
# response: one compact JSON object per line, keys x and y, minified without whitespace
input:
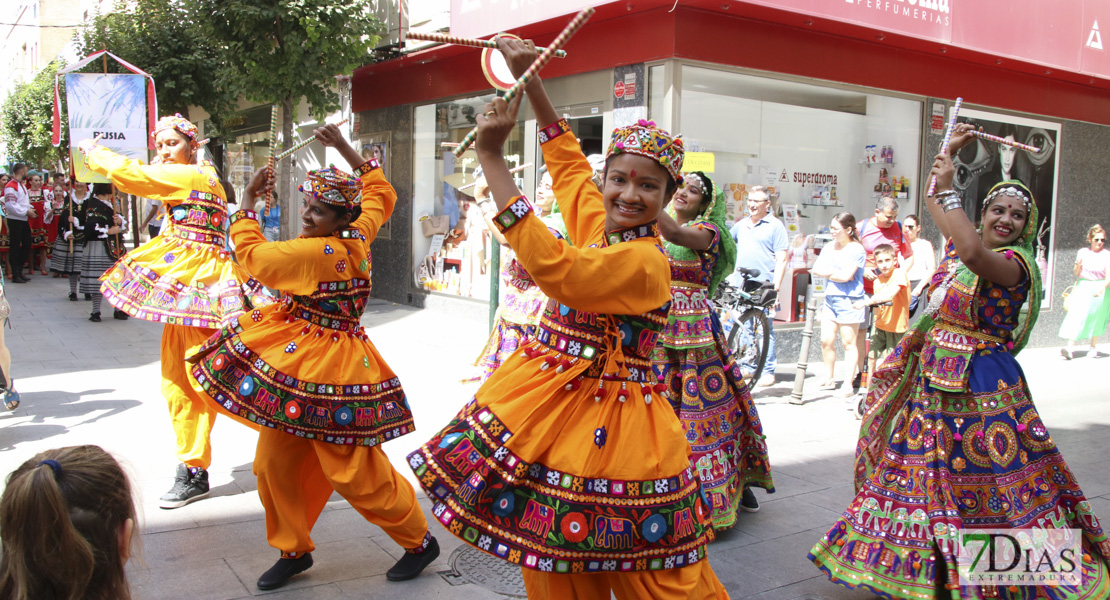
{"x":828,"y":113}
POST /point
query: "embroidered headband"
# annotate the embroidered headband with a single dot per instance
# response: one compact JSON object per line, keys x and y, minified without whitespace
{"x":707,"y":188}
{"x":1008,"y":190}
{"x":179,"y":124}
{"x":334,"y":187}
{"x":646,"y":139}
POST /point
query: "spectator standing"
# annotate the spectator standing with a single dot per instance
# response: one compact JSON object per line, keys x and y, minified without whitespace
{"x":5,"y":241}
{"x":893,"y":287}
{"x":67,"y":256}
{"x":154,"y":217}
{"x":271,"y":222}
{"x":882,"y":228}
{"x":842,"y":263}
{"x":17,"y":207}
{"x":761,"y":243}
{"x":923,"y":265}
{"x":1087,"y":307}
{"x":41,"y":199}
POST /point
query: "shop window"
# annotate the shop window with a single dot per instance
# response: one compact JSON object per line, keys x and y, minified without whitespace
{"x":451,"y":242}
{"x":821,"y":150}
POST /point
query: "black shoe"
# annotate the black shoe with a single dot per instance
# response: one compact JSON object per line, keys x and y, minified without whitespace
{"x":857,"y":381}
{"x":94,"y":317}
{"x":283,"y":569}
{"x":119,"y":314}
{"x":411,"y":564}
{"x":73,"y":296}
{"x":187,"y":487}
{"x":748,"y":503}
{"x":88,"y":296}
{"x":19,"y":280}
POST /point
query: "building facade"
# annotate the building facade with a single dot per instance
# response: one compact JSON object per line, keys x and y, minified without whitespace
{"x":831,"y":106}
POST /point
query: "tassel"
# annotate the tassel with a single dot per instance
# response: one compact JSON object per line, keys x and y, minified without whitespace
{"x":563,"y":366}
{"x":574,"y":384}
{"x":622,"y":394}
{"x":646,"y":391}
{"x":548,"y":361}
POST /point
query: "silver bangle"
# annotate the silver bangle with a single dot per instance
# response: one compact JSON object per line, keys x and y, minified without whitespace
{"x":941,"y":197}
{"x":952,"y":203}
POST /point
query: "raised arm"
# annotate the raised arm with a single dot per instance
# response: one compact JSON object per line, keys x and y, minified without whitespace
{"x":694,"y":238}
{"x":133,"y":177}
{"x":287,"y":266}
{"x":627,"y":278}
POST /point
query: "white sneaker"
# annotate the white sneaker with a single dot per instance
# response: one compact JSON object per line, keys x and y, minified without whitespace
{"x":766,"y":380}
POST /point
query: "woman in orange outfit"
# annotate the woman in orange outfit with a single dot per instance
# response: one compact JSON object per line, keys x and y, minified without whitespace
{"x":305,"y":370}
{"x":568,"y":461}
{"x":183,"y":279}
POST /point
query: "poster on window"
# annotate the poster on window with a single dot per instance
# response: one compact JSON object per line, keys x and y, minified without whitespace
{"x":376,"y":146}
{"x":982,"y":164}
{"x":110,"y":105}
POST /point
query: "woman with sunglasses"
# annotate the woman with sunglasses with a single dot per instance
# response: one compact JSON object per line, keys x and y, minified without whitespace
{"x":1087,"y":307}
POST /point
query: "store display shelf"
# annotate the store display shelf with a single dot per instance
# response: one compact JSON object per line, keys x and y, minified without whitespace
{"x":877,"y":164}
{"x":824,"y":205}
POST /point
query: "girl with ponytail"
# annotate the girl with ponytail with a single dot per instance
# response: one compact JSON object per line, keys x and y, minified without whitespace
{"x":66,"y":523}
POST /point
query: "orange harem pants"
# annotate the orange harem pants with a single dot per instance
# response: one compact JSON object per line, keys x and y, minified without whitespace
{"x":297,"y":476}
{"x":693,"y":582}
{"x":191,"y":416}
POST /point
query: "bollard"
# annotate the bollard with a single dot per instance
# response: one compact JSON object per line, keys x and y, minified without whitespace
{"x":807,"y":338}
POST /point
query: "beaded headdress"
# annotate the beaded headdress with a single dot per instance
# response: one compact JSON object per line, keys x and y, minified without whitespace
{"x":647,"y":139}
{"x":178,"y":123}
{"x":1008,"y":190}
{"x":334,"y":187}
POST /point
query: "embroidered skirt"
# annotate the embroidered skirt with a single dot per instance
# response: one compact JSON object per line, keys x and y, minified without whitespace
{"x":95,"y":261}
{"x":65,"y":262}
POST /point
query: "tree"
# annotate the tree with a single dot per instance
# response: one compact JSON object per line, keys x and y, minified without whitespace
{"x":158,"y":37}
{"x":281,"y":51}
{"x":27,"y":119}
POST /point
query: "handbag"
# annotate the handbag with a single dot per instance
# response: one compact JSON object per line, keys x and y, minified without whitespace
{"x":1067,"y":297}
{"x":434,"y":225}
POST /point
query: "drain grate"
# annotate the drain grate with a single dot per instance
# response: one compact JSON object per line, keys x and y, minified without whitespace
{"x":488,"y":572}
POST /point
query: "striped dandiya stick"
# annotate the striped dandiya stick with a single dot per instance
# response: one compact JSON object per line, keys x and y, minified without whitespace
{"x":1005,"y":142}
{"x":270,"y":159}
{"x":460,"y":41}
{"x":512,"y":170}
{"x":541,"y":60}
{"x":944,"y":143}
{"x":301,"y":144}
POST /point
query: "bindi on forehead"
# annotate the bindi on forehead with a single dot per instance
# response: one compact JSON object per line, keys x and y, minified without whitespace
{"x":633,"y":173}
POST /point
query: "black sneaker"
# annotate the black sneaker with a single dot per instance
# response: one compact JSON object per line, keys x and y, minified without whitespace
{"x":857,"y":381}
{"x":73,"y":296}
{"x":412,"y":564}
{"x":120,"y":315}
{"x":748,"y":503}
{"x":187,"y":487}
{"x":279,"y":574}
{"x":94,"y":317}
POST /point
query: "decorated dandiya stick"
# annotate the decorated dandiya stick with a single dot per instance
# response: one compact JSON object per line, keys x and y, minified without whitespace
{"x":301,"y":144}
{"x":944,"y":143}
{"x":270,"y":159}
{"x":541,"y":60}
{"x":460,"y":41}
{"x":512,"y":170}
{"x":1005,"y":142}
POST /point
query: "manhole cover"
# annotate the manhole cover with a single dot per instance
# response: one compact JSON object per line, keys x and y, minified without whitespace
{"x":488,"y":572}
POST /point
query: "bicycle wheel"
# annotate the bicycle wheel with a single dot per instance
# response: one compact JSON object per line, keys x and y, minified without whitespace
{"x":749,"y":341}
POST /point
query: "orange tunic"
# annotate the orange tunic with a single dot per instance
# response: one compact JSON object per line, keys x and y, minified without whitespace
{"x":569,"y":460}
{"x":304,"y":365}
{"x":184,"y":277}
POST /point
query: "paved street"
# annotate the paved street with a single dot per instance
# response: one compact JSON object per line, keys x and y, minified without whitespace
{"x":98,"y":383}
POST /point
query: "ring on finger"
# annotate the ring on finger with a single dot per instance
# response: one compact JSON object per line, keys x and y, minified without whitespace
{"x":490,"y":112}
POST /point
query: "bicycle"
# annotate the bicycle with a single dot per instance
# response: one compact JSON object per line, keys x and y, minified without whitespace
{"x":750,"y":302}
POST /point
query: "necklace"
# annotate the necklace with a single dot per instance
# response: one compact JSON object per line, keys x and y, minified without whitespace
{"x":936,"y":298}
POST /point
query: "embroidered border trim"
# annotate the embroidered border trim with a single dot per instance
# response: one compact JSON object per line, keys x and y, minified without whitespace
{"x":367,"y":167}
{"x":240,"y":215}
{"x":632,"y":233}
{"x":515,"y":212}
{"x":553,"y":131}
{"x":252,"y":389}
{"x":551,"y":521}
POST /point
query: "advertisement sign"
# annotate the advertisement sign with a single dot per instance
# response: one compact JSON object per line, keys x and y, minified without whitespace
{"x":112,"y":106}
{"x":983,"y":163}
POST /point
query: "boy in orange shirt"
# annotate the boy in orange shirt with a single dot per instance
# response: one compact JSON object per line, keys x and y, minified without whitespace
{"x":893,"y":287}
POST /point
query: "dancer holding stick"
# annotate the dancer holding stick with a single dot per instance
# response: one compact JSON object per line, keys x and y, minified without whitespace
{"x":306,"y":369}
{"x":69,"y":247}
{"x":944,"y":142}
{"x":183,"y":278}
{"x":568,"y":461}
{"x":301,"y":144}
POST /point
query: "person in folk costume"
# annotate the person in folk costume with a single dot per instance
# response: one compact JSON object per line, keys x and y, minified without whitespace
{"x":41,"y":201}
{"x":704,"y":384}
{"x":71,"y":231}
{"x":951,"y":440}
{"x":101,"y":226}
{"x":323,"y":420}
{"x":5,"y":240}
{"x":184,"y":279}
{"x":563,"y":463}
{"x":523,"y":302}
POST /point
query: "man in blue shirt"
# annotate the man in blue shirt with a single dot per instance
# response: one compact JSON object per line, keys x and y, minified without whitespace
{"x":761,"y":243}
